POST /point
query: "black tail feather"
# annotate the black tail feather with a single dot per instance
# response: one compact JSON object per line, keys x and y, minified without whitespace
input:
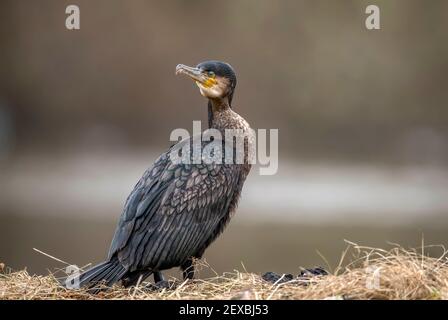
{"x":107,"y":273}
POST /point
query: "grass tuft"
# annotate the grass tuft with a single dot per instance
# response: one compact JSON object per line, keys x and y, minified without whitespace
{"x":369,"y":273}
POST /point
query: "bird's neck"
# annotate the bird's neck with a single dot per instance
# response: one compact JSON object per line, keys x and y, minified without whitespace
{"x":216,"y":107}
{"x":223,"y":117}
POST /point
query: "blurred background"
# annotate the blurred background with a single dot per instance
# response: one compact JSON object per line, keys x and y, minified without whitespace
{"x":362,"y":118}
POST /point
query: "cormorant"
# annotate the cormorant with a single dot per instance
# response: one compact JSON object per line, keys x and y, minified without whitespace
{"x":176,"y":210}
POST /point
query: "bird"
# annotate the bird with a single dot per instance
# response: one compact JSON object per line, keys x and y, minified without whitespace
{"x":176,"y":209}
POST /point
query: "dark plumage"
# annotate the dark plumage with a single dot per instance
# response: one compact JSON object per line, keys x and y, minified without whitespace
{"x":177,"y":210}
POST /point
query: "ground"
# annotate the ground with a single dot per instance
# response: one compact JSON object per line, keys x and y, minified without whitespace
{"x":364,"y":273}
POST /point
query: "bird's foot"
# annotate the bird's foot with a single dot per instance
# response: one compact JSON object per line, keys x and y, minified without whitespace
{"x":160,"y":285}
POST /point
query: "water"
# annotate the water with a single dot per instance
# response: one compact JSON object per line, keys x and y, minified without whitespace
{"x":68,"y":206}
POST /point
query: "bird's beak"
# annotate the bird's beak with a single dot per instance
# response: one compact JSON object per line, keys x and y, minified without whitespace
{"x":196,"y":74}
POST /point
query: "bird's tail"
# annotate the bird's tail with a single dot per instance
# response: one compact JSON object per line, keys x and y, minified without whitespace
{"x":108,"y":273}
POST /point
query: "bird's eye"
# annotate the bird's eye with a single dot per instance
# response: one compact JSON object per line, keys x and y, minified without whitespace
{"x":211,"y":74}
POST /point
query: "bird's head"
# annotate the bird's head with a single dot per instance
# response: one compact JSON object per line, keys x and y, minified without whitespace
{"x":216,"y":80}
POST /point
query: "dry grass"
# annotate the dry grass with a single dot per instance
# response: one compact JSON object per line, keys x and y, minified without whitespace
{"x":402,"y":274}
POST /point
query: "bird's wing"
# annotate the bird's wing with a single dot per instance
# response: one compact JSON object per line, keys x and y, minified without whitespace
{"x":134,"y":207}
{"x":172,"y":211}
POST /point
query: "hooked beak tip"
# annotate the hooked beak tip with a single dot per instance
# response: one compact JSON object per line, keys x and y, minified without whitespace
{"x":193,"y":73}
{"x":179,"y":68}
